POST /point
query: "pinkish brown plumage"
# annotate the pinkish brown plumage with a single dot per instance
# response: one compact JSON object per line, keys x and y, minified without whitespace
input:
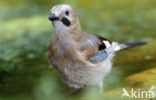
{"x":81,"y":58}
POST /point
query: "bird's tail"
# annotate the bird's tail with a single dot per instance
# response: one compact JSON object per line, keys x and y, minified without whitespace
{"x":128,"y":45}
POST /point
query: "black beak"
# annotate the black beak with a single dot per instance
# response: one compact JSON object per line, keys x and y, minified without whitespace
{"x":52,"y":17}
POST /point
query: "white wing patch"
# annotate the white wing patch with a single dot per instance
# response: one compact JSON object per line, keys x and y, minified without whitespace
{"x":107,"y":44}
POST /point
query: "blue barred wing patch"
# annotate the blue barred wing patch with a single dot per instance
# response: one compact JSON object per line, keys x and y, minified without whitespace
{"x":100,"y":56}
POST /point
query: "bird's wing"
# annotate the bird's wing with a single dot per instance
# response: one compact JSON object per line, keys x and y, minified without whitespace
{"x":101,"y":54}
{"x":105,"y":44}
{"x":95,"y":48}
{"x":107,"y":48}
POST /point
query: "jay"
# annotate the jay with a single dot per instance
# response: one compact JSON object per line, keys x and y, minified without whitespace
{"x":81,"y":58}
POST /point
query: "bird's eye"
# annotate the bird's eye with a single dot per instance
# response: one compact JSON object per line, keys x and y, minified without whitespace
{"x":67,"y":12}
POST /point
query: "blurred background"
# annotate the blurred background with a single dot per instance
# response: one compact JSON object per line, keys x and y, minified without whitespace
{"x":25,"y":33}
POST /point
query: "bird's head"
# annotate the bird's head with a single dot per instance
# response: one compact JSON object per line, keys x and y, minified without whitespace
{"x":64,"y":18}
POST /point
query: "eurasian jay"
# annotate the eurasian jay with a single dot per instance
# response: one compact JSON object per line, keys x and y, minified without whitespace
{"x":81,"y":58}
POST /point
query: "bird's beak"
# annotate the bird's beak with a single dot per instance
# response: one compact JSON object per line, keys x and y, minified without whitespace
{"x":53,"y":17}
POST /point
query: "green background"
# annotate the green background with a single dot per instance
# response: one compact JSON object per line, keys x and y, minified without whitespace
{"x":25,"y":32}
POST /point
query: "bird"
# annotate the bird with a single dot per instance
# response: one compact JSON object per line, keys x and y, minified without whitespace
{"x":80,"y":58}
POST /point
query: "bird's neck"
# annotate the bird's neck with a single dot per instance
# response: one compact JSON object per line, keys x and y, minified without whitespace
{"x":76,"y":31}
{"x":76,"y":27}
